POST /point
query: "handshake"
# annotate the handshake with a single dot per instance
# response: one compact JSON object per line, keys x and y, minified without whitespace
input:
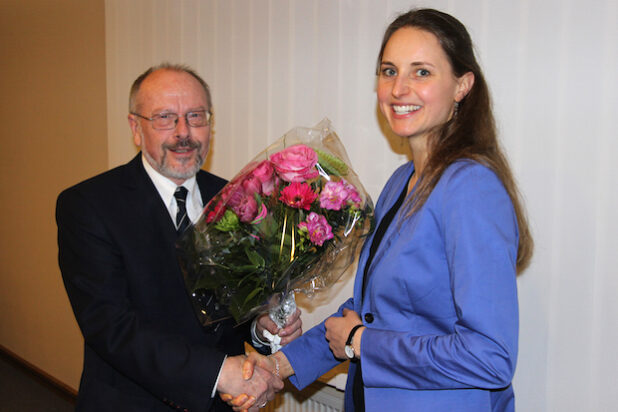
{"x":248,"y":383}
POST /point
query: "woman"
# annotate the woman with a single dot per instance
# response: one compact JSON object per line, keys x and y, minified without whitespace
{"x":433,"y":324}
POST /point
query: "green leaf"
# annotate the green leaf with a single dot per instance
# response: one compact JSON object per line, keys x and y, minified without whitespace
{"x":252,"y":294}
{"x":255,"y":257}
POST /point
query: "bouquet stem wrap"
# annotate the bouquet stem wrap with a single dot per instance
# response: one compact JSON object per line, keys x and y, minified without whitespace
{"x":292,"y":220}
{"x":279,"y":313}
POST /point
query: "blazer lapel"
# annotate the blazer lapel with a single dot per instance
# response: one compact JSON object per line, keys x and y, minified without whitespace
{"x":391,"y":234}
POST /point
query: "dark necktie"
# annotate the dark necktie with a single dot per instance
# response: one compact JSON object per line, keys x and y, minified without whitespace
{"x":182,"y":220}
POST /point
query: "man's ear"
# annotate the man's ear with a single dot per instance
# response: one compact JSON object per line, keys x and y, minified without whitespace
{"x":465,"y":84}
{"x":135,"y":130}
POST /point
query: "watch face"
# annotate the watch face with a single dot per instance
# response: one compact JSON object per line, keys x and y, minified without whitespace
{"x":349,"y":351}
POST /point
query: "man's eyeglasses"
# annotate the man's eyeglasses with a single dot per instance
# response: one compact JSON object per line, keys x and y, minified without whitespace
{"x":168,"y":121}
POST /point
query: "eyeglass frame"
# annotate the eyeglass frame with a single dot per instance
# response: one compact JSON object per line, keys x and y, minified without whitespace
{"x":175,"y":122}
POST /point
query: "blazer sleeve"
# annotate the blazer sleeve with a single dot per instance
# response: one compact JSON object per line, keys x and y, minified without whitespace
{"x":94,"y":272}
{"x":310,"y":355}
{"x":479,"y":231}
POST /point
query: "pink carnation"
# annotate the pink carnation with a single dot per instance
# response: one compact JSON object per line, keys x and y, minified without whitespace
{"x":353,"y":195}
{"x":296,"y":163}
{"x":333,"y":195}
{"x":298,"y":195}
{"x":317,"y":228}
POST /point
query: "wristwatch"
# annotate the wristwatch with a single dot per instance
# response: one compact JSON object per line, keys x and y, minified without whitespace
{"x":349,"y":350}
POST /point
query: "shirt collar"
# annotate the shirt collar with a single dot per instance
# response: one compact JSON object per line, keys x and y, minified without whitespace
{"x":166,"y":189}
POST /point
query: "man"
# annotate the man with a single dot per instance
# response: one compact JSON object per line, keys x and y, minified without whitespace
{"x":144,"y":347}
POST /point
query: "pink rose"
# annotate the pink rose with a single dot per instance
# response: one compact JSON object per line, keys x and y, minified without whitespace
{"x":252,"y":185}
{"x":317,"y":228}
{"x":296,"y":163}
{"x":264,"y":172}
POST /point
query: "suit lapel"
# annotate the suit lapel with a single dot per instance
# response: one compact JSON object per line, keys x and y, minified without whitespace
{"x":145,"y":198}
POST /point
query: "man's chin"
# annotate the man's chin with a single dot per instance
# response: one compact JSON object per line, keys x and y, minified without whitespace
{"x":181,"y":172}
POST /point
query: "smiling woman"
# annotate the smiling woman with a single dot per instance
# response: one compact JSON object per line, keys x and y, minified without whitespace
{"x":434,"y":317}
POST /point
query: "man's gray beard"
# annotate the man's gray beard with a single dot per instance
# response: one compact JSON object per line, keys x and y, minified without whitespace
{"x":172,"y":173}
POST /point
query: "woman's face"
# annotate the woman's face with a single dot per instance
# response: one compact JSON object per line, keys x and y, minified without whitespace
{"x":417,"y":88}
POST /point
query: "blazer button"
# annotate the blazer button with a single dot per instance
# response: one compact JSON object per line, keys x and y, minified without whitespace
{"x":368,"y":317}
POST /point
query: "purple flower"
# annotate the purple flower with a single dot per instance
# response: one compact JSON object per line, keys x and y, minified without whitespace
{"x":336,"y":195}
{"x":243,"y":205}
{"x":353,"y":195}
{"x":333,"y":195}
{"x":317,"y":229}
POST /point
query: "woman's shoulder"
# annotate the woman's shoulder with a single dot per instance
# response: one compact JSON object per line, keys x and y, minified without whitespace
{"x":465,"y":179}
{"x":469,"y":171}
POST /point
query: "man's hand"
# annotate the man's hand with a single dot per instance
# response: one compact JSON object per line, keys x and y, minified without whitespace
{"x":256,"y":388}
{"x":338,"y":329}
{"x":291,"y":331}
{"x":276,"y":364}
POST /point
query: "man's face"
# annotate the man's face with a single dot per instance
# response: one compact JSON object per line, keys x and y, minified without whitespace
{"x":178,"y":153}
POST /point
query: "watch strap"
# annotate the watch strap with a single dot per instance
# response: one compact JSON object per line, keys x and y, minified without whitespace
{"x":352,"y":332}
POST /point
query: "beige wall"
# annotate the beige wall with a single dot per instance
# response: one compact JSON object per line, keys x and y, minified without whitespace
{"x":53,"y":122}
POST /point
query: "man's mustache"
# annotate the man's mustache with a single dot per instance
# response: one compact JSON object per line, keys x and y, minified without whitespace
{"x":183,"y":144}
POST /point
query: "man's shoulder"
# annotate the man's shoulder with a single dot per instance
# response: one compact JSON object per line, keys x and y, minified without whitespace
{"x":209,"y":184}
{"x":204,"y":177}
{"x":104,"y":181}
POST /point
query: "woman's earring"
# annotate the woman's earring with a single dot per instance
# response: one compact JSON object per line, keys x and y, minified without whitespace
{"x":456,"y":108}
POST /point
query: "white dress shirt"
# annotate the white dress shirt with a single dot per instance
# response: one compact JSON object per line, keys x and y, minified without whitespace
{"x":166,"y":189}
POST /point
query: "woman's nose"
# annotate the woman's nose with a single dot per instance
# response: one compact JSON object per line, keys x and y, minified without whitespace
{"x":400,"y":86}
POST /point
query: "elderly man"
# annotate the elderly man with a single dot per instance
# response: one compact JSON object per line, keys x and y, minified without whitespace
{"x":144,"y":347}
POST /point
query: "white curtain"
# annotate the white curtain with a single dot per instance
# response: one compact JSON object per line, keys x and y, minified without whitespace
{"x":551,"y":66}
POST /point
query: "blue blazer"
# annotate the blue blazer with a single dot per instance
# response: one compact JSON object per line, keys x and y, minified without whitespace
{"x":440,"y":305}
{"x":144,"y":348}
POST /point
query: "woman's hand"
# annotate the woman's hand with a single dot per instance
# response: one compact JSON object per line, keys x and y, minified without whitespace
{"x":338,"y":329}
{"x":292,"y":330}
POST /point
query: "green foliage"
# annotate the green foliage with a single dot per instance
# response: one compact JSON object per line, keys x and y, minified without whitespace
{"x":332,"y":164}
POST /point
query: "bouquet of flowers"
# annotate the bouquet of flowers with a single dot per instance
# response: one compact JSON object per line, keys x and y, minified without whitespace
{"x":291,"y":221}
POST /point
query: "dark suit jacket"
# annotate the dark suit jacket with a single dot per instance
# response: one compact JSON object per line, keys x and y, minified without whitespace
{"x":144,"y":347}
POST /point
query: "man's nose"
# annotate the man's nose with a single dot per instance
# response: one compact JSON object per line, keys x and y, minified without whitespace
{"x":182,"y":127}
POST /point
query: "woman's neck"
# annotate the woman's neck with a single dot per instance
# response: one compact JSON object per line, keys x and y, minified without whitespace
{"x":418,"y":146}
{"x":420,"y":153}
